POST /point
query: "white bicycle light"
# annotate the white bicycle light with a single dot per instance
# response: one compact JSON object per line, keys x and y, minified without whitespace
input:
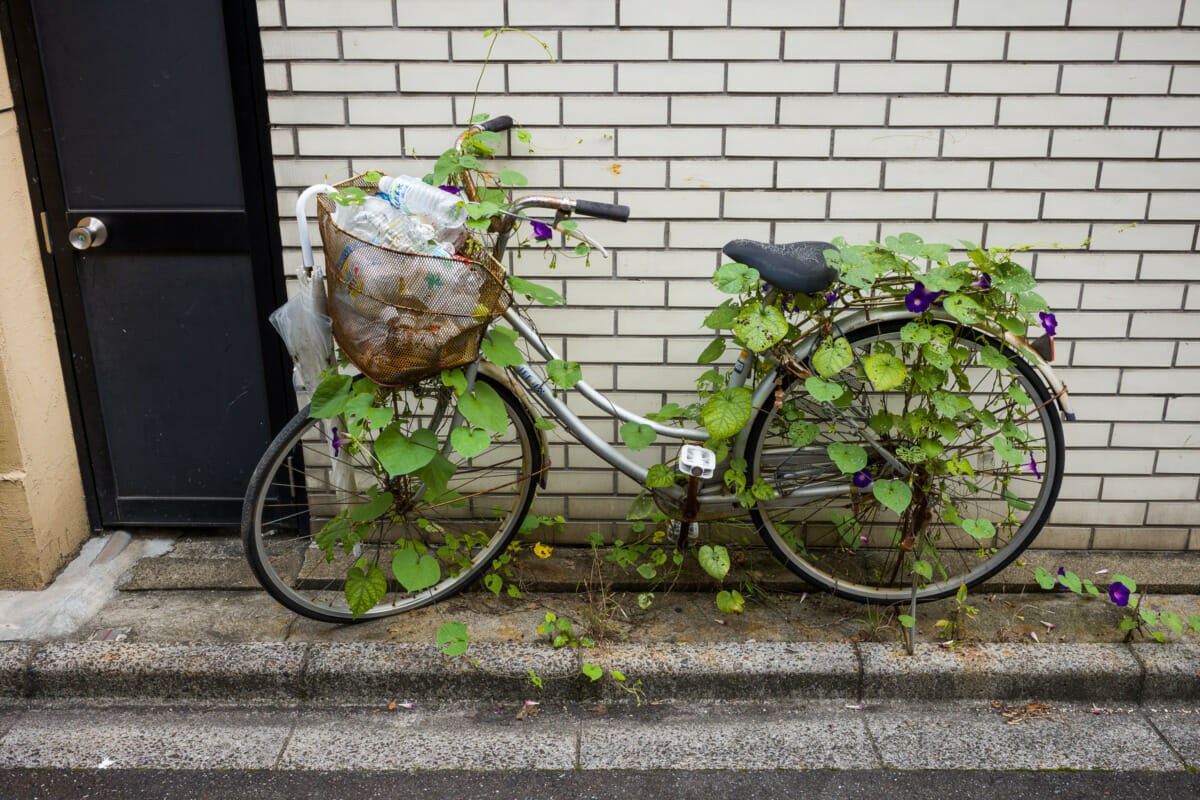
{"x":696,"y":461}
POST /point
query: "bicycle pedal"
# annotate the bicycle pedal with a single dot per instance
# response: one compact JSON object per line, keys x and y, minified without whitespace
{"x":696,"y":461}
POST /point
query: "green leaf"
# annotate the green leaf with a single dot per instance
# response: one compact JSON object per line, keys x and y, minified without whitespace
{"x":331,"y":397}
{"x":730,"y":602}
{"x":436,"y":476}
{"x":637,"y":436}
{"x":1016,"y":502}
{"x":645,"y":600}
{"x":565,"y":373}
{"x":499,"y":347}
{"x":823,"y":390}
{"x":512,"y":178}
{"x":452,"y":639}
{"x":850,"y":458}
{"x":1127,"y":624}
{"x":760,"y":327}
{"x":483,"y":408}
{"x":373,"y":509}
{"x":543,"y":424}
{"x":1012,"y":278}
{"x":1018,"y":395}
{"x":535,"y":291}
{"x":964,"y":308}
{"x":660,"y":476}
{"x":924,"y":569}
{"x":1006,"y":451}
{"x":803,"y":433}
{"x":832,"y":356}
{"x":896,"y":495}
{"x":469,"y":442}
{"x":647,"y":571}
{"x":726,"y":413}
{"x":723,"y":316}
{"x":735,"y":278}
{"x":906,"y":620}
{"x":885,"y":371}
{"x":715,"y":349}
{"x":455,"y":379}
{"x":714,"y":559}
{"x":415,"y":572}
{"x":978,"y":528}
{"x":401,"y":455}
{"x":593,"y":672}
{"x":1071,"y":581}
{"x":365,"y":586}
{"x":943,"y":279}
{"x":989,"y":356}
{"x":915,"y":333}
{"x":481,"y":117}
{"x":1044,"y":579}
{"x":494,"y":583}
{"x":641,"y":507}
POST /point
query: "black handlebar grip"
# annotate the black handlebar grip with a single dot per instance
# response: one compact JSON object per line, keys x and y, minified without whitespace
{"x":497,"y":124}
{"x":602,"y":210}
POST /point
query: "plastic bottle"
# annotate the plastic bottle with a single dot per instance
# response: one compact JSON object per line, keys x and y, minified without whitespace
{"x":378,"y":222}
{"x":440,"y":209}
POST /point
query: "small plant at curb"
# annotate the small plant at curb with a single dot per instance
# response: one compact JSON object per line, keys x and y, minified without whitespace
{"x":1136,"y":619}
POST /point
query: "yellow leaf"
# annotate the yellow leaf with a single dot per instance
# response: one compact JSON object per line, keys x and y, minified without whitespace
{"x":542,"y":550}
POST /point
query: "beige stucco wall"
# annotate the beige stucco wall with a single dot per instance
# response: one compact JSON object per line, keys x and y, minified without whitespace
{"x":43,"y":519}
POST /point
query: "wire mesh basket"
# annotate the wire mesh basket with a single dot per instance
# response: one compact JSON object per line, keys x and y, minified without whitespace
{"x":400,"y":317}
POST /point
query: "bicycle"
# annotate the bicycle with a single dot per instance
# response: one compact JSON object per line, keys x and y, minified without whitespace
{"x":454,"y":524}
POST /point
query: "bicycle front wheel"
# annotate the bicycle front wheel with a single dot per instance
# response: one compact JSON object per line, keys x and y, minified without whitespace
{"x":838,"y":536}
{"x":302,"y":535}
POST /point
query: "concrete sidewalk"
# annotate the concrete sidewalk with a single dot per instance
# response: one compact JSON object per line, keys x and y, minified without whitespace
{"x":183,"y":621}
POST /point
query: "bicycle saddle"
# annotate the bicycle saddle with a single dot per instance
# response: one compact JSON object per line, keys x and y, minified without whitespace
{"x":797,"y":267}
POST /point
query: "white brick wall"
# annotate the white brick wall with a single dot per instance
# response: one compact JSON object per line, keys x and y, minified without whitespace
{"x":1024,"y":121}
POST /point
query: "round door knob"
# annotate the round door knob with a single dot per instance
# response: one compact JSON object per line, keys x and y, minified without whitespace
{"x":90,"y":232}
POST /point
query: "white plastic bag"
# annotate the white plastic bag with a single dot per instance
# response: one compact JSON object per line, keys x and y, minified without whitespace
{"x":306,"y":329}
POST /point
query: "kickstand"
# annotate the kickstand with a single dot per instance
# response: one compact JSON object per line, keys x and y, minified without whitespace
{"x":910,"y":634}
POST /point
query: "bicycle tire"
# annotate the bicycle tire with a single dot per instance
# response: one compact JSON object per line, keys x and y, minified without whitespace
{"x":292,"y":494}
{"x":877,"y":568}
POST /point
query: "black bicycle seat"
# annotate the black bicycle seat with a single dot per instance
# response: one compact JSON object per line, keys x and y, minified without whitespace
{"x":797,"y":267}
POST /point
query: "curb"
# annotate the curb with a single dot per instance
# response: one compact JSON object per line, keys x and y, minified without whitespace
{"x":377,"y":672}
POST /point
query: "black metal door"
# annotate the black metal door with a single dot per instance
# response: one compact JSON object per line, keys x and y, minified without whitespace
{"x":149,"y":117}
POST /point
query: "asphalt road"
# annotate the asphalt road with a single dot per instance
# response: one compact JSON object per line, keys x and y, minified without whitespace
{"x":586,"y":785}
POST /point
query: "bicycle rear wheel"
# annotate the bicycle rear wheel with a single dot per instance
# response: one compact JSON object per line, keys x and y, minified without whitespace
{"x":304,"y":481}
{"x":839,"y":537}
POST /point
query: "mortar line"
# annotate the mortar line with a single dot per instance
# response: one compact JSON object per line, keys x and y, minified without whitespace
{"x":860,"y":684}
{"x":27,"y":670}
{"x":579,"y":745}
{"x":287,"y":742}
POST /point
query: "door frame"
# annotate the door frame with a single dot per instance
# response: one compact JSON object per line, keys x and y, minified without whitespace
{"x":40,"y":155}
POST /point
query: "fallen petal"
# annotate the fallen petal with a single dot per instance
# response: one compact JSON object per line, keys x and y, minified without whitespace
{"x":407,"y":705}
{"x":855,"y":708}
{"x":1033,"y":636}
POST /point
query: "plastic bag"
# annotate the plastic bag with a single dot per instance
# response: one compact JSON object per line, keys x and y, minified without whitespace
{"x":306,"y":329}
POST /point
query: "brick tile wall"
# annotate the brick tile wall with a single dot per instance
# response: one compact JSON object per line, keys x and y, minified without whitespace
{"x":1027,"y":121}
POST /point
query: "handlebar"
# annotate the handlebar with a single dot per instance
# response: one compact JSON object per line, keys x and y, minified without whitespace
{"x":497,"y":124}
{"x":611,"y":211}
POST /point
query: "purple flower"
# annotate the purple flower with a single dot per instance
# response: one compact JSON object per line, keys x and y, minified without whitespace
{"x":831,"y":296}
{"x":984,"y":283}
{"x":862,"y":479}
{"x":1119,"y":593}
{"x":541,"y":231}
{"x":1049,"y":323}
{"x":1032,"y":467}
{"x":450,"y":189}
{"x":1063,"y":573}
{"x":920,"y":298}
{"x":338,"y":442}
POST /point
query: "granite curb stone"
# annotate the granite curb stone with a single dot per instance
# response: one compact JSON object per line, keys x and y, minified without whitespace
{"x":155,"y":672}
{"x":721,"y":670}
{"x":1084,"y":672}
{"x":14,"y":661}
{"x":357,"y":671}
{"x":1172,"y":670}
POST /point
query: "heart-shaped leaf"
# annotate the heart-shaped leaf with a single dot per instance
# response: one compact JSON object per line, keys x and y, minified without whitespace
{"x":735,"y":278}
{"x":714,"y":559}
{"x":1006,"y":451}
{"x":850,"y":458}
{"x":822,"y":390}
{"x":565,"y":373}
{"x":331,"y":397}
{"x":832,"y":356}
{"x":401,"y":455}
{"x":483,"y":408}
{"x":915,"y":333}
{"x":593,"y":671}
{"x":715,"y":349}
{"x":660,"y":476}
{"x":725,"y":414}
{"x":730,"y":602}
{"x":452,"y":639}
{"x":536,"y":292}
{"x":803,"y":433}
{"x":964,"y":308}
{"x":499,"y":347}
{"x":885,"y":371}
{"x":978,"y":528}
{"x":637,"y":436}
{"x":469,"y":442}
{"x":373,"y":509}
{"x":760,"y":327}
{"x":896,"y":495}
{"x":415,"y":572}
{"x":365,"y":586}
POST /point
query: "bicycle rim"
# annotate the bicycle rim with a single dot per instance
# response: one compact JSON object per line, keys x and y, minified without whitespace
{"x":840,"y":538}
{"x":303,"y":482}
